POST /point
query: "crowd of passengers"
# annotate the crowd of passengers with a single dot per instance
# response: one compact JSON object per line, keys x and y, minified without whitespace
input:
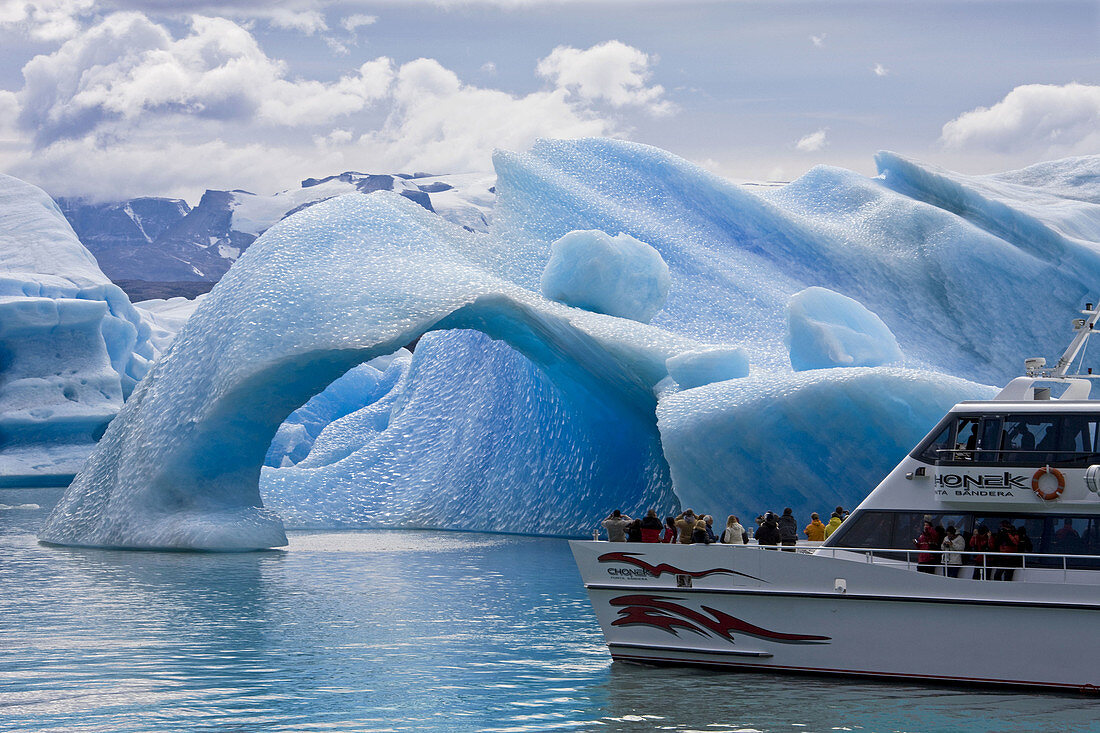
{"x":994,"y":555}
{"x":689,"y":528}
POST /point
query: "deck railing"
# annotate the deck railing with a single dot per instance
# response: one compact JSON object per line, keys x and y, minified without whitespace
{"x":974,"y":560}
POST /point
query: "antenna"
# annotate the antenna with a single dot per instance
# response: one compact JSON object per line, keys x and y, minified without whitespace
{"x":1083,"y":328}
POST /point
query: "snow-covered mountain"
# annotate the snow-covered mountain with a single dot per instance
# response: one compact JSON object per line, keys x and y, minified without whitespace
{"x":166,"y":240}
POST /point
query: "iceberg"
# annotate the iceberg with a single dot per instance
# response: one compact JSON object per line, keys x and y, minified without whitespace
{"x":341,"y":283}
{"x":518,"y":413}
{"x":71,"y":344}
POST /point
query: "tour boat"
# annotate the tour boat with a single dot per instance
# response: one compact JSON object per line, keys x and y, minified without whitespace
{"x":857,"y":605}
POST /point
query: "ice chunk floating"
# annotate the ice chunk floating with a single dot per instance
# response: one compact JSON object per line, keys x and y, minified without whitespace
{"x":530,"y":415}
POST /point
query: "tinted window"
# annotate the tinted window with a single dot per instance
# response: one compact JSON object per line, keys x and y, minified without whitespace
{"x":865,"y":529}
{"x":935,"y":446}
{"x":1027,"y":440}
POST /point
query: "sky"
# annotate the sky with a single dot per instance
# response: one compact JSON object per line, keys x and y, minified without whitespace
{"x":122,"y":98}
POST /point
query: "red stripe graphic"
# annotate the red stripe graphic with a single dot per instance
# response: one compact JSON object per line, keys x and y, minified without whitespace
{"x":659,"y":612}
{"x":631,"y":558}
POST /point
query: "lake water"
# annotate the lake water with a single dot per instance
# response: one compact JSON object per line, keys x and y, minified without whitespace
{"x":391,"y":631}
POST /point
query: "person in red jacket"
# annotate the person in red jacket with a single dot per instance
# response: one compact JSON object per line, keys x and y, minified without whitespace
{"x":651,"y":527}
{"x":670,"y":533}
{"x":1006,"y":540}
{"x":926,"y":561}
{"x":981,"y":543}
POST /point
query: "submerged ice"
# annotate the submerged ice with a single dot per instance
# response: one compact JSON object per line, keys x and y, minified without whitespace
{"x":516,"y":412}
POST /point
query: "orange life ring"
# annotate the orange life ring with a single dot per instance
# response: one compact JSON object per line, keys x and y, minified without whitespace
{"x":1048,"y":495}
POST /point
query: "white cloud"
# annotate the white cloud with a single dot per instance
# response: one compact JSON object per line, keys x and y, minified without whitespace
{"x":612,"y":72}
{"x":304,"y":21}
{"x":126,"y":71}
{"x":812,"y":142}
{"x":354,"y":22}
{"x":488,"y":68}
{"x":818,"y":41}
{"x":125,"y":108}
{"x":1046,"y":119}
{"x":880,"y":70}
{"x":442,"y":124}
{"x":45,"y":20}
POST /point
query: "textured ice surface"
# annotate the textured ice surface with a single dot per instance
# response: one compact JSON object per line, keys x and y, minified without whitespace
{"x":561,"y":420}
{"x":360,"y":387}
{"x":71,"y":344}
{"x":809,"y":440}
{"x":827,"y":329}
{"x":619,"y":275}
{"x":505,"y":449}
{"x":709,"y":364}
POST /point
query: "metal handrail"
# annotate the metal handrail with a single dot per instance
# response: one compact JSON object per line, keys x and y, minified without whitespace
{"x":910,"y":564}
{"x":1070,"y":455}
{"x":985,"y":555}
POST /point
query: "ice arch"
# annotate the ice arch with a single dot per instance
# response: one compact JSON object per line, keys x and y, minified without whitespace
{"x":336,"y":285}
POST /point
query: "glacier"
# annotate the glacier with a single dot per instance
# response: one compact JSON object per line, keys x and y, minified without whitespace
{"x":516,"y":413}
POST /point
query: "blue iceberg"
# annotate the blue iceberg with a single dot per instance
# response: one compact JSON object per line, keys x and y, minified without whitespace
{"x":517,"y":413}
{"x":71,"y":344}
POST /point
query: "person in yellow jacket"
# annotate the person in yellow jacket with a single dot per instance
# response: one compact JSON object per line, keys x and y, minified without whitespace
{"x":815,"y":530}
{"x":834,"y":522}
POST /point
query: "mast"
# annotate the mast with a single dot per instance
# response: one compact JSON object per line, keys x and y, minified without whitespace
{"x":1083,"y":328}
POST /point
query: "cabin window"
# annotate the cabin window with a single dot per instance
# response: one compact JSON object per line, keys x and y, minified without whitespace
{"x":1067,"y":441}
{"x":865,"y":529}
{"x":936,"y":446}
{"x":966,"y":438}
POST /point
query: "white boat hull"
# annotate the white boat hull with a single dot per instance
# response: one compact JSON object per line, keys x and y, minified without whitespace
{"x":759,"y":609}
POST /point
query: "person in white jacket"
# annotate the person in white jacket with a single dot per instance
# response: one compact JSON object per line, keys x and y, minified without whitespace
{"x":953,"y":545}
{"x":734,"y":534}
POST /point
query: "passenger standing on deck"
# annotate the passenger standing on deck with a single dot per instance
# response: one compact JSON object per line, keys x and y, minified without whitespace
{"x":768,"y":534}
{"x":651,"y":527}
{"x":685,"y":523}
{"x":815,"y":530}
{"x":734,"y":534}
{"x":788,"y":530}
{"x":834,"y":522}
{"x":670,"y":533}
{"x":953,"y":545}
{"x":634,"y":531}
{"x":711,"y":537}
{"x":980,"y":543}
{"x":616,"y":525}
{"x":1006,"y":540}
{"x":699,"y":535}
{"x":926,"y":561}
